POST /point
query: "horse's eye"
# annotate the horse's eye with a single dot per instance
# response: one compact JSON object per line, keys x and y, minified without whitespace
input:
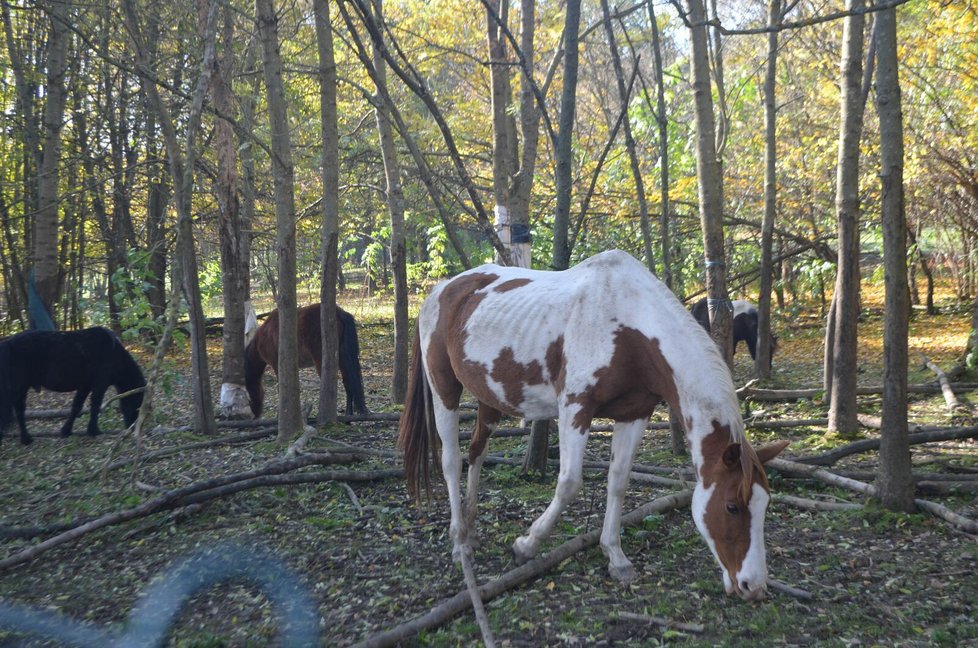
{"x":733,"y":509}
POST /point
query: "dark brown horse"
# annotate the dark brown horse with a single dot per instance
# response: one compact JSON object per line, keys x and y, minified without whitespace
{"x":262,"y":351}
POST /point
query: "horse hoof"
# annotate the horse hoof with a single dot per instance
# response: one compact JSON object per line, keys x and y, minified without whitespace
{"x":521,"y":553}
{"x":624,"y":575}
{"x":65,"y":432}
{"x":26,"y":440}
{"x":459,"y":549}
{"x":94,"y":433}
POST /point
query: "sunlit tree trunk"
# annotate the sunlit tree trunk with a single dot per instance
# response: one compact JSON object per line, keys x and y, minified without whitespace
{"x":398,"y":248}
{"x":331,"y":213}
{"x":47,"y":271}
{"x":568,"y":105}
{"x":643,"y":205}
{"x":182,"y":163}
{"x":283,"y":172}
{"x":710,"y":186}
{"x":894,"y":482}
{"x":762,"y":361}
{"x":234,"y":397}
{"x":842,"y":411}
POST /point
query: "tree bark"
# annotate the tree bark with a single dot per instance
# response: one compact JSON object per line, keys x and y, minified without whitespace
{"x":329,"y":256}
{"x":289,"y":415}
{"x":398,"y":248}
{"x":182,"y":165}
{"x":643,"y":205}
{"x":565,"y":134}
{"x":762,"y":362}
{"x":710,"y":186}
{"x":842,"y":411}
{"x":895,"y":480}
{"x":234,"y":398}
{"x":44,"y":257}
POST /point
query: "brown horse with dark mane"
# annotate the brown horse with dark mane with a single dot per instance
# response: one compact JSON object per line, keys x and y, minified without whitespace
{"x":262,"y":351}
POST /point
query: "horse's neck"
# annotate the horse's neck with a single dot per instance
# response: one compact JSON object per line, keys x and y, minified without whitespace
{"x":711,"y":425}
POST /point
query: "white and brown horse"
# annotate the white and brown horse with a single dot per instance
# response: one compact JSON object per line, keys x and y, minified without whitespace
{"x":603,"y":339}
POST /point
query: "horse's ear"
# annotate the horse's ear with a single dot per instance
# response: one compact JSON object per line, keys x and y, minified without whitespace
{"x":768,"y":452}
{"x":731,"y":456}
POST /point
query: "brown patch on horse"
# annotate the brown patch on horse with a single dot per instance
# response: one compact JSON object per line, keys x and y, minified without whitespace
{"x":636,"y":379}
{"x":457,"y":301}
{"x":512,"y":284}
{"x":556,"y":364}
{"x":512,"y":375}
{"x":486,"y":420}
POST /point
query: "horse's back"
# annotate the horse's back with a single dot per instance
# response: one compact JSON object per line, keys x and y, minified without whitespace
{"x":60,"y":360}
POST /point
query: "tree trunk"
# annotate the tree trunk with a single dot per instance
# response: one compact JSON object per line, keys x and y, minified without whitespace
{"x":289,"y":415}
{"x":330,"y":171}
{"x":894,"y":483}
{"x":47,"y":271}
{"x":234,"y":397}
{"x":643,"y":205}
{"x":564,"y":171}
{"x":710,"y":186}
{"x":762,"y":361}
{"x":842,"y":411}
{"x":663,"y":124}
{"x":182,"y":165}
{"x":398,"y":248}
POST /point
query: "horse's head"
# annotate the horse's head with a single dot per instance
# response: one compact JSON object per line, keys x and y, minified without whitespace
{"x":129,"y":406}
{"x":729,"y":503}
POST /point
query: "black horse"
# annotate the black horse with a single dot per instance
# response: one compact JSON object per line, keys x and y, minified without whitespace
{"x":262,"y":351}
{"x":744,"y":324}
{"x":85,"y":362}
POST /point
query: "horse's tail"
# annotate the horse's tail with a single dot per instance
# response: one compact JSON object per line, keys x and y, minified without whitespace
{"x":349,"y":360}
{"x":254,"y":370}
{"x":417,"y":438}
{"x":6,"y":400}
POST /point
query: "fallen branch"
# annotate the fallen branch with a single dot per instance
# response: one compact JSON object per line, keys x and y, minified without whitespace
{"x":169,"y":500}
{"x":816,"y":505}
{"x":949,"y":398}
{"x":224,"y":440}
{"x":696,"y":628}
{"x":460,"y":602}
{"x":816,"y":392}
{"x":865,"y":445}
{"x":939,"y":510}
{"x":784,"y":588}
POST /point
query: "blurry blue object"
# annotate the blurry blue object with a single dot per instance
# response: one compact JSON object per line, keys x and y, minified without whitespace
{"x":37,"y":311}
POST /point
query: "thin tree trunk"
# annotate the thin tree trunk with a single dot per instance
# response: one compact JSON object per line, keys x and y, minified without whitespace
{"x":643,"y":205}
{"x":181,"y":170}
{"x":568,"y":105}
{"x":283,"y":171}
{"x":710,"y":186}
{"x":842,"y":411}
{"x":894,"y":482}
{"x":329,"y":260}
{"x":663,"y":124}
{"x":234,"y":397}
{"x":47,"y":271}
{"x":762,"y":361}
{"x":398,"y":248}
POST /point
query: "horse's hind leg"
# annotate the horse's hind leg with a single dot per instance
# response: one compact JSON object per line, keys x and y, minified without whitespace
{"x":446,"y":421}
{"x":569,"y":481}
{"x":76,"y":406}
{"x":486,"y":422}
{"x":623,"y":445}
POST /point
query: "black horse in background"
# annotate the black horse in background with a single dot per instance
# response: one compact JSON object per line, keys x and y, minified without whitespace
{"x":85,"y":362}
{"x":744,"y":324}
{"x":262,"y":352}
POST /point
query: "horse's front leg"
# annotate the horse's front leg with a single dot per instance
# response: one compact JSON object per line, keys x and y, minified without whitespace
{"x":569,"y":481}
{"x":76,"y":406}
{"x":20,"y":404}
{"x":98,"y":392}
{"x":624,"y":443}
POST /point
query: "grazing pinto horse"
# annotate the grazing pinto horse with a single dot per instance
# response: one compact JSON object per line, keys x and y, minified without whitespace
{"x":744,"y":324}
{"x":262,"y":351}
{"x":85,"y":362}
{"x":603,"y":339}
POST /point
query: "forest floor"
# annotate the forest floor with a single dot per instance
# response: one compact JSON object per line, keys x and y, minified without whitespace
{"x":372,"y":560}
